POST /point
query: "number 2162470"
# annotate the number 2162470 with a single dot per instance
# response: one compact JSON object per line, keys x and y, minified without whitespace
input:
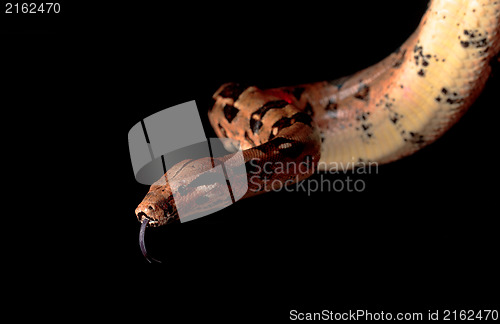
{"x":32,"y":8}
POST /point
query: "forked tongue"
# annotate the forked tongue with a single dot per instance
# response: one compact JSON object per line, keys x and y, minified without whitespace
{"x":141,"y":241}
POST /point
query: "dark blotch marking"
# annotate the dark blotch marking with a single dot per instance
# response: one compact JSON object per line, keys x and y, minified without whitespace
{"x":258,"y":115}
{"x":400,"y":59}
{"x":280,"y":124}
{"x":230,"y":112}
{"x":363,"y":116}
{"x":421,"y":58}
{"x":285,"y":122}
{"x":297,"y":92}
{"x":248,"y":139}
{"x":451,"y":97}
{"x":294,"y":151}
{"x":481,"y":43}
{"x":169,"y":208}
{"x":255,"y":125}
{"x":268,"y":106}
{"x":473,"y":36}
{"x":332,"y":105}
{"x":416,"y":138}
{"x":303,"y":118}
{"x":363,"y":92}
{"x":232,"y":90}
{"x":452,"y":101}
{"x":308,"y":110}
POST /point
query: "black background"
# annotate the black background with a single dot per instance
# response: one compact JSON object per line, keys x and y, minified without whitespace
{"x":421,"y":236}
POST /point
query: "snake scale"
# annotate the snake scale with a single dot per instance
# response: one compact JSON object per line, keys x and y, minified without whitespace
{"x":382,"y":113}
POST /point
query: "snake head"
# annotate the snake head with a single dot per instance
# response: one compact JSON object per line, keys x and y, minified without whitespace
{"x":158,"y":206}
{"x":194,"y":187}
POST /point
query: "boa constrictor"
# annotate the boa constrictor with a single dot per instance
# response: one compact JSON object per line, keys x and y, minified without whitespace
{"x":381,"y":114}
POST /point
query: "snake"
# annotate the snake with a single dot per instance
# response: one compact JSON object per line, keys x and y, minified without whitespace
{"x":380,"y":114}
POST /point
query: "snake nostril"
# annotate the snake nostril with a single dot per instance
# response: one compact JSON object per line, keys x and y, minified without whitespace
{"x":141,"y":216}
{"x":150,"y":207}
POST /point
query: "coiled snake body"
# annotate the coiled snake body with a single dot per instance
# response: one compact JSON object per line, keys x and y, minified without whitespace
{"x":380,"y":114}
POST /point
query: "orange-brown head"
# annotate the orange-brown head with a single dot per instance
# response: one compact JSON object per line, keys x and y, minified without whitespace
{"x":157,"y":206}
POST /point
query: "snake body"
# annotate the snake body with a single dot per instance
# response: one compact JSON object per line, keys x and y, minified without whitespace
{"x":380,"y":114}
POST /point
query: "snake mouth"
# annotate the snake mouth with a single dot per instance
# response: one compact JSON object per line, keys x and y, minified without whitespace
{"x":141,"y":216}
